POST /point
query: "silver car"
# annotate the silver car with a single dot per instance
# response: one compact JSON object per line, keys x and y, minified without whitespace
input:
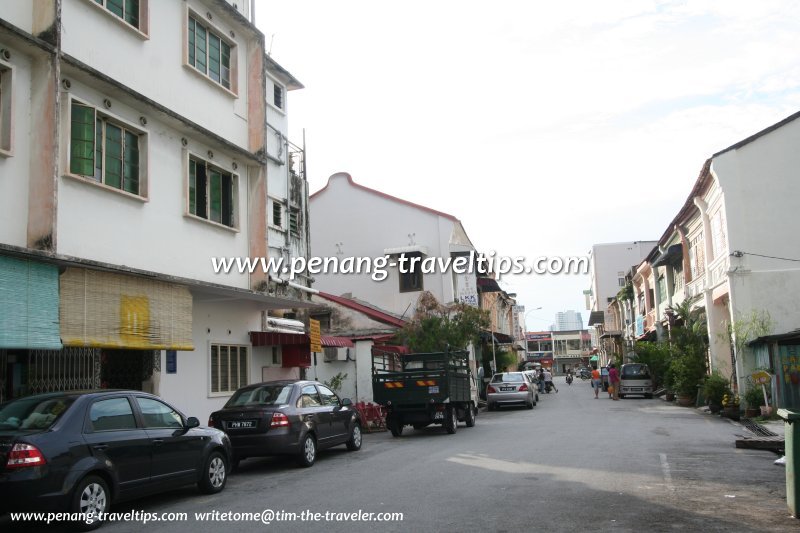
{"x":510,"y":388}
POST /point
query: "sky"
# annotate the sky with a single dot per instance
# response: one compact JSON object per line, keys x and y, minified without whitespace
{"x":545,"y":127}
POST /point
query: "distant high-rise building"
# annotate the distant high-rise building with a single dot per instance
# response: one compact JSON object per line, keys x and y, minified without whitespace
{"x":568,"y":321}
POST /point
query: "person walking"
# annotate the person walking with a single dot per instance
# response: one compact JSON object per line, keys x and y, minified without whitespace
{"x":597,"y":383}
{"x":613,"y":380}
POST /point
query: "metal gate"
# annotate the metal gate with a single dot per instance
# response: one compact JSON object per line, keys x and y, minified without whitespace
{"x":67,"y":369}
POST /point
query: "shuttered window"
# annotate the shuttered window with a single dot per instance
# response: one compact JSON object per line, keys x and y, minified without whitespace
{"x":29,"y":299}
{"x":127,"y":10}
{"x":209,"y":53}
{"x":212,"y":193}
{"x":228,"y":365}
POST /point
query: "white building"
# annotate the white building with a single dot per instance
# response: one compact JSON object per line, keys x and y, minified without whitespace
{"x":349,"y":220}
{"x":568,"y":320}
{"x":608,"y":265}
{"x":130,"y":154}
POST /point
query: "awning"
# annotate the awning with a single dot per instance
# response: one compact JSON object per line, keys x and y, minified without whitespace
{"x":596,"y":317}
{"x":669,"y":255}
{"x":379,"y":349}
{"x":413,"y":249}
{"x":593,"y":358}
{"x":337,"y":342}
{"x":271,"y":338}
{"x":488,"y":285}
{"x":28,"y":305}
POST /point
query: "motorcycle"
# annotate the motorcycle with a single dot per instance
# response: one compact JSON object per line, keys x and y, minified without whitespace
{"x":548,"y":386}
{"x":586,"y":374}
{"x":569,"y":379}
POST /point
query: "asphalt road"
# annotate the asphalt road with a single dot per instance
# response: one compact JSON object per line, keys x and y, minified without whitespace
{"x":573,"y":463}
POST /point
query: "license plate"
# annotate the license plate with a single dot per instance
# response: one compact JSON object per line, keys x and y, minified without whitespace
{"x":507,"y":389}
{"x":438,"y":415}
{"x":433,"y":390}
{"x":242,"y":424}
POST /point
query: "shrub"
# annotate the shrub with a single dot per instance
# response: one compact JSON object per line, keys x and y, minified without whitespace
{"x":715,"y":388}
{"x":754,"y":397}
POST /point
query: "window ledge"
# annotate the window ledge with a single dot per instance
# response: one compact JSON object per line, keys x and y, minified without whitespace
{"x":103,"y":186}
{"x":277,"y":228}
{"x":276,"y":108}
{"x":210,"y":81}
{"x":211,"y":223}
{"x":220,"y":394}
{"x":6,"y":153}
{"x":120,"y":22}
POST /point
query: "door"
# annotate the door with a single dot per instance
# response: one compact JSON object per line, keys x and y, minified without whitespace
{"x":310,"y":409}
{"x":177,"y":451}
{"x":114,"y":438}
{"x":339,"y":416}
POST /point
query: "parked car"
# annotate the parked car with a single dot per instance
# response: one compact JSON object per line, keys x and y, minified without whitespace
{"x":635,"y":378}
{"x":290,"y":417}
{"x":509,"y":388}
{"x":79,"y":452}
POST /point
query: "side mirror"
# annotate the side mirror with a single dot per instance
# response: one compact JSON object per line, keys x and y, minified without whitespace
{"x":192,"y":422}
{"x":346,"y":402}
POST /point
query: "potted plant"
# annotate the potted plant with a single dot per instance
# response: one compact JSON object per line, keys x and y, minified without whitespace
{"x":754,"y":399}
{"x":715,"y":387}
{"x":730,"y":406}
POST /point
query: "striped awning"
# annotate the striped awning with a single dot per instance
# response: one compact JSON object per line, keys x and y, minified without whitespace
{"x":337,"y":342}
{"x":271,"y":338}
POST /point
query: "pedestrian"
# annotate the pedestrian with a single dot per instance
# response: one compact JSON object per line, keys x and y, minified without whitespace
{"x":541,"y":380}
{"x":548,"y":380}
{"x":597,"y":383}
{"x":613,"y":380}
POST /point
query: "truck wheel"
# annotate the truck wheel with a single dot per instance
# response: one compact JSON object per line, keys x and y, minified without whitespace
{"x":451,"y":421}
{"x":470,"y":418}
{"x":395,"y":426}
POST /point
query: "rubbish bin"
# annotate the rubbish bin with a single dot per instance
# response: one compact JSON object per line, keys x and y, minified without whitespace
{"x":792,"y":445}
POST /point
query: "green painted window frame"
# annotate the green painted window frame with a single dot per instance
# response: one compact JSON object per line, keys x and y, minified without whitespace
{"x":209,"y":53}
{"x":212,"y":192}
{"x":127,"y":10}
{"x":115,"y":160}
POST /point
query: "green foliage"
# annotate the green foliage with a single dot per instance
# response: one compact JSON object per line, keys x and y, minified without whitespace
{"x":506,"y":359}
{"x":435,"y":327}
{"x":626,"y":292}
{"x":754,"y":396}
{"x":689,"y":346}
{"x":745,"y":328}
{"x":335,"y":383}
{"x":715,"y":387}
{"x":656,"y":355}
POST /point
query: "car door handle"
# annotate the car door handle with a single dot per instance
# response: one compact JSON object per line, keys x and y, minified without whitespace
{"x":158,"y":442}
{"x":100,"y":447}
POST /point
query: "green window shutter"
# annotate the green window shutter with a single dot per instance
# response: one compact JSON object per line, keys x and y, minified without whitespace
{"x":191,"y":41}
{"x":115,"y":6}
{"x":225,"y":70}
{"x":113,"y":160}
{"x":132,"y":12}
{"x":215,"y":196}
{"x":200,"y":48}
{"x":98,"y":153}
{"x":227,"y":199}
{"x":82,"y":140}
{"x":213,"y":57}
{"x":130,"y":177}
{"x":214,"y":368}
{"x":192,"y":187}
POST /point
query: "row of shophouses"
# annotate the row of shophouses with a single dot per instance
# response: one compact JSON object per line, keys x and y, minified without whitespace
{"x":732,"y":251}
{"x":138,"y":141}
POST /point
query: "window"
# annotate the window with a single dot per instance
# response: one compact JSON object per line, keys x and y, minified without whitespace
{"x":212,"y":193}
{"x":324,"y":320}
{"x":662,"y":289}
{"x":718,"y":238}
{"x":309,"y":397}
{"x":277,"y":214}
{"x":104,"y":150}
{"x":294,"y":214}
{"x":6,"y":74}
{"x":112,"y":415}
{"x":328,"y":396}
{"x":209,"y":53}
{"x":697,"y":255}
{"x":276,"y":359}
{"x":277,"y":96}
{"x":228,"y":367}
{"x":621,"y":279}
{"x":158,"y":414}
{"x":411,"y":273}
{"x":127,"y":10}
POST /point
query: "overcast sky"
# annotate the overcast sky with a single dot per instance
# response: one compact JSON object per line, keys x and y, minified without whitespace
{"x":545,"y":127}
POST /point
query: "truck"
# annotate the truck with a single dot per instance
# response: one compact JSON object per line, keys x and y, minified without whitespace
{"x":421,"y":389}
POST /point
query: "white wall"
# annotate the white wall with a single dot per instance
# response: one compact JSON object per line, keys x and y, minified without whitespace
{"x":100,"y":40}
{"x":610,"y":259}
{"x":19,"y":13}
{"x":104,"y":225}
{"x":367,"y":224}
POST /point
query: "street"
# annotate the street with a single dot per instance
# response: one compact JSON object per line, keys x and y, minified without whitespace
{"x":571,"y":463}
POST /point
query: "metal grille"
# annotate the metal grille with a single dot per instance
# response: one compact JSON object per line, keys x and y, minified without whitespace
{"x":67,"y":369}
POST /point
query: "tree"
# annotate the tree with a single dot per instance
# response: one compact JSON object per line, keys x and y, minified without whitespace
{"x":656,"y":355}
{"x":436,"y":327}
{"x":689,"y":347}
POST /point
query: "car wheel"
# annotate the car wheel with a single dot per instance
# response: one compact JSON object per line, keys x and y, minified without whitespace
{"x":354,"y":443}
{"x":648,"y":396}
{"x":395,"y":426}
{"x":308,"y":451}
{"x":470,"y":418}
{"x":451,"y":420}
{"x":215,"y":474}
{"x":490,"y":407}
{"x":91,"y":498}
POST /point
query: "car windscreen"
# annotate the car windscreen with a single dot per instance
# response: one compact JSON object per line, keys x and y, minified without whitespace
{"x":263,"y":395}
{"x":635,"y":372}
{"x":511,"y":377}
{"x":33,"y":413}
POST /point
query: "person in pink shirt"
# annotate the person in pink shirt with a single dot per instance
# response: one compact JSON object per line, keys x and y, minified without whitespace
{"x":613,"y":380}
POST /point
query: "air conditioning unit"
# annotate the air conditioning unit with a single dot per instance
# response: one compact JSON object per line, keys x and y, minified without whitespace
{"x":335,"y":354}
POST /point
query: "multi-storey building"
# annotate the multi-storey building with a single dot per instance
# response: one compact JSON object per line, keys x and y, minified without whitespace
{"x":133,"y":149}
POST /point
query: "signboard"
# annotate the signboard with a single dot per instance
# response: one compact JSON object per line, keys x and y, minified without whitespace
{"x":172,"y":362}
{"x":538,"y":336}
{"x":467,"y":289}
{"x":314,"y":334}
{"x":761,"y":377}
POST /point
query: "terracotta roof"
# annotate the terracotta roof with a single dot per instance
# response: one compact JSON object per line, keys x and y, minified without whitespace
{"x":386,"y":196}
{"x":371,"y":312}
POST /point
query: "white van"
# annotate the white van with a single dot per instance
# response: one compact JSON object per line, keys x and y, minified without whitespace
{"x":635,"y":379}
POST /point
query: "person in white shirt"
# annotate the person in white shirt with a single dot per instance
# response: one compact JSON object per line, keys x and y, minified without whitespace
{"x":548,"y":378}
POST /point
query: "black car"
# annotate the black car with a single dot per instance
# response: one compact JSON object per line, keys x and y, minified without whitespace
{"x":287,"y":418}
{"x":78,"y":452}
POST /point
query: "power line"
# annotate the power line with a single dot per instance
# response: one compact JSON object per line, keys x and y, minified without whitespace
{"x":740,"y":254}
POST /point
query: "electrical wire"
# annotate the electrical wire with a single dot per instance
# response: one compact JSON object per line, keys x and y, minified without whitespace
{"x":770,"y":257}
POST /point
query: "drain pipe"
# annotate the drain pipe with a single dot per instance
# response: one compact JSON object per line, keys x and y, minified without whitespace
{"x":293,"y":285}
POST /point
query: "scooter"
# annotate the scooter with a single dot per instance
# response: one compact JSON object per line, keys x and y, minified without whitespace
{"x":569,"y":379}
{"x":548,"y":386}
